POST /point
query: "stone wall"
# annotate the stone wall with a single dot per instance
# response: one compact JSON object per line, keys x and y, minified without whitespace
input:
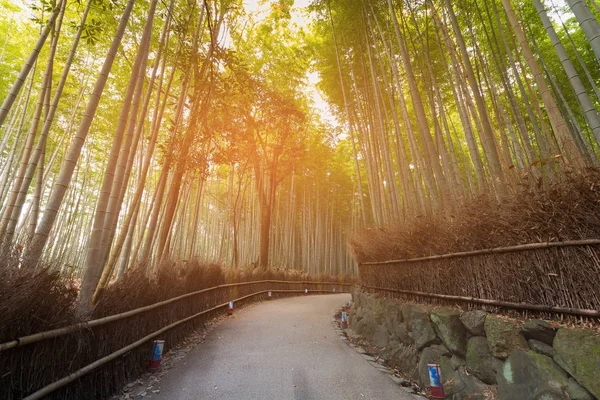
{"x":481,"y":355}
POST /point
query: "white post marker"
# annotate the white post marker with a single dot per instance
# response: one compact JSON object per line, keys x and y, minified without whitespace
{"x":269,"y":295}
{"x":333,"y":290}
{"x":305,"y":292}
{"x":230,"y":308}
{"x":344,"y":320}
{"x":349,"y":303}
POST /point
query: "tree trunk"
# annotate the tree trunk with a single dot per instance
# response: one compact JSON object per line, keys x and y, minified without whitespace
{"x":95,"y":257}
{"x":34,"y":251}
{"x":10,"y":217}
{"x":350,"y":126}
{"x":432,"y":161}
{"x":16,"y":87}
{"x":588,"y":23}
{"x":590,"y":112}
{"x":568,"y":147}
{"x":487,"y":134}
{"x":48,"y":120}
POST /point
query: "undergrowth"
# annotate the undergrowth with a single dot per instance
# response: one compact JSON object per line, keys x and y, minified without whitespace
{"x":37,"y":300}
{"x":566,"y":210}
{"x":554,"y":277}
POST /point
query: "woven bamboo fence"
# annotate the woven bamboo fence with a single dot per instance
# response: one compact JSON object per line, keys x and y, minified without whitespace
{"x":94,"y":359}
{"x":550,"y":280}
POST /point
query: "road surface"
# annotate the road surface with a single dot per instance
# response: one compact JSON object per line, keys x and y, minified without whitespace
{"x":278,"y":350}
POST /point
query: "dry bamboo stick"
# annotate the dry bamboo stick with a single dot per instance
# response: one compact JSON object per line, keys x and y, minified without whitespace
{"x":498,"y":250}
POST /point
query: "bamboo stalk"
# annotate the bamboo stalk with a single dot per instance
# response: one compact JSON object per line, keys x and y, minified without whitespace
{"x":37,"y":337}
{"x":497,"y":250}
{"x":498,"y":303}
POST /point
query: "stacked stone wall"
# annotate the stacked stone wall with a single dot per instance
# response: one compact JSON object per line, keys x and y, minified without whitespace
{"x":481,"y":355}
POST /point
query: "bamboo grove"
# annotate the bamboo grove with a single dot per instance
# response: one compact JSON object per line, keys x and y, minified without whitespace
{"x":137,"y":131}
{"x":446,"y":100}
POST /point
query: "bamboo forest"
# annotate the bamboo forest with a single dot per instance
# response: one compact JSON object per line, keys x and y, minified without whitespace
{"x":418,"y":178}
{"x":265,"y":134}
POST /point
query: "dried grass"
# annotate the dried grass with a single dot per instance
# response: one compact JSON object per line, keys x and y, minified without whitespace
{"x":38,"y":300}
{"x":565,"y":210}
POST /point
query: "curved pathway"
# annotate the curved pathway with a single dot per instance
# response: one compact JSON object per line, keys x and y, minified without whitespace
{"x":278,"y":350}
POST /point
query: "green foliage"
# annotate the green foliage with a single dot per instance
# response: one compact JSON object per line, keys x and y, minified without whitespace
{"x":247,"y":103}
{"x":17,"y":34}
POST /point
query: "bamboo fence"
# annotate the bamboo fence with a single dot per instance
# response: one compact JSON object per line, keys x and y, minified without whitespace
{"x":93,"y":359}
{"x":551,"y":279}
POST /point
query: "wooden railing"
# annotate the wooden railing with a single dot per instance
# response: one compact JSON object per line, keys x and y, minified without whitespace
{"x":219,"y":297}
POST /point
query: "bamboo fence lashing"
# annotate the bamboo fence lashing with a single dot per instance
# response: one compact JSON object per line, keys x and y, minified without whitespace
{"x":497,"y":250}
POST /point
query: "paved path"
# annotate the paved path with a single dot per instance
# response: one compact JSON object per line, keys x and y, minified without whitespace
{"x":279,"y":350}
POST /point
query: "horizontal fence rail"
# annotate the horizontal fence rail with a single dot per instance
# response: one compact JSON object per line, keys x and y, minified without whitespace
{"x":89,"y":368}
{"x":554,"y":279}
{"x":496,"y":303}
{"x":497,"y":250}
{"x":206,"y":310}
{"x":22,"y":341}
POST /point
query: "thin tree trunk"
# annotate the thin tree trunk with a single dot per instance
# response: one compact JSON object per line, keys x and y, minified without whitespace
{"x":557,"y":121}
{"x":487,"y":134}
{"x":49,"y":119}
{"x":10,"y":217}
{"x":590,"y":112}
{"x":34,"y":251}
{"x":350,"y":126}
{"x":588,"y":23}
{"x":95,"y":255}
{"x":432,"y":162}
{"x":16,"y":87}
